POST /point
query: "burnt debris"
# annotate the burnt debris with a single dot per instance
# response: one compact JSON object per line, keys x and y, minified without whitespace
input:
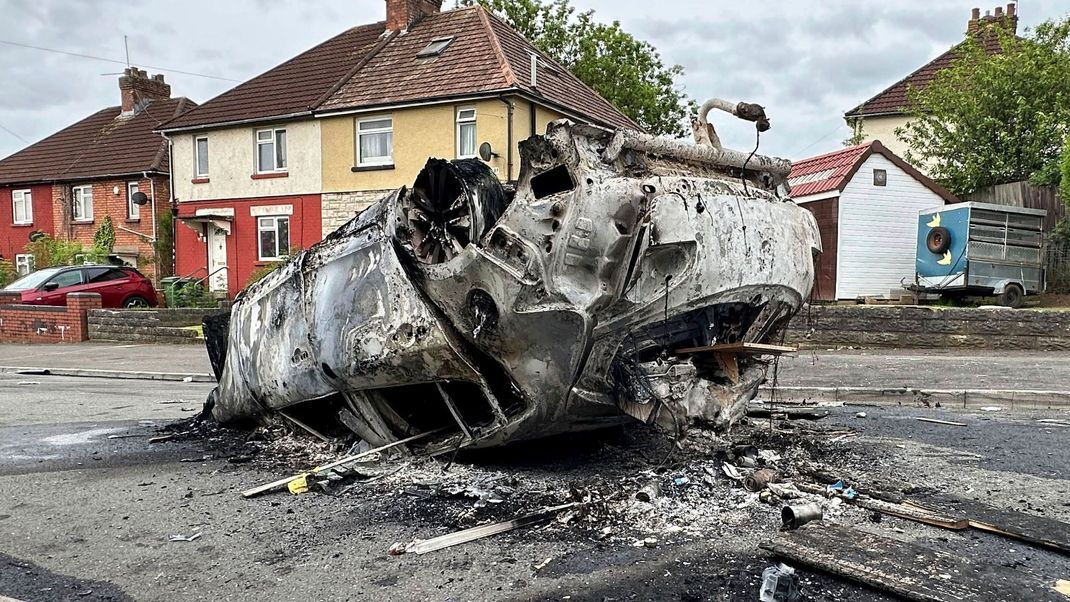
{"x":489,"y":313}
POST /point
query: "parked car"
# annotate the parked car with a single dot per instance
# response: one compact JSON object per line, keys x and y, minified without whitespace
{"x":117,"y":286}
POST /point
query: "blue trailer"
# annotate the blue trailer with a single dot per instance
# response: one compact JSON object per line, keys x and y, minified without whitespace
{"x":981,"y":249}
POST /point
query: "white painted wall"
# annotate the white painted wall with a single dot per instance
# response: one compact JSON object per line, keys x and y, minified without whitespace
{"x":878,"y":230}
{"x":232,"y":160}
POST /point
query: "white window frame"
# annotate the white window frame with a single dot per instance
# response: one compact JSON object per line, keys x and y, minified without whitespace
{"x":133,"y":210}
{"x":24,"y":197}
{"x":197,"y":156}
{"x":277,"y":165}
{"x":464,"y":121}
{"x":79,"y":200}
{"x":273,"y":220}
{"x":376,"y":161}
{"x":25,"y":263}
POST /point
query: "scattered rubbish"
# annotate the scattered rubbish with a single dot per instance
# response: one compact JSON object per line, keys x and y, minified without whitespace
{"x":452,"y":539}
{"x":842,"y":489}
{"x":935,"y":421}
{"x":1054,"y":422}
{"x":1062,"y":586}
{"x":991,"y":409}
{"x":188,"y":409}
{"x":126,"y":436}
{"x":788,"y":413}
{"x":794,"y":517}
{"x":745,"y":456}
{"x":170,"y":401}
{"x":779,"y":584}
{"x":1037,"y":530}
{"x":861,"y":415}
{"x":493,"y":293}
{"x":651,"y":542}
{"x":203,"y":458}
{"x":731,"y":472}
{"x":681,"y":481}
{"x":298,"y":485}
{"x":187,"y":379}
{"x":28,"y":382}
{"x":769,"y":457}
{"x":161,"y":438}
{"x":193,"y":537}
{"x":242,"y":459}
{"x":839,"y":438}
{"x":543,"y":563}
{"x":908,"y":570}
{"x":276,"y":485}
{"x":784,"y":491}
{"x":649,"y":492}
{"x":759,"y":479}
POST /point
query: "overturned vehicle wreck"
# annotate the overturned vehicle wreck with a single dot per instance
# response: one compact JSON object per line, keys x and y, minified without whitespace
{"x":606,"y":287}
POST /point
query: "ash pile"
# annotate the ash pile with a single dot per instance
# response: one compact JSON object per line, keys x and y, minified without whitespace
{"x":624,"y":277}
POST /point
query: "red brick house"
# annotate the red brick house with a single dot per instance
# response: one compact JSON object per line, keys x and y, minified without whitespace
{"x":67,"y":183}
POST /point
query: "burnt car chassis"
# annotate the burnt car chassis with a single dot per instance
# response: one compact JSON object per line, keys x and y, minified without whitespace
{"x":486,"y":315}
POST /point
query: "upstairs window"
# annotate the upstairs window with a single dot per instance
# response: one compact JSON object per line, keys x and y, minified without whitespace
{"x":273,"y":237}
{"x":466,"y":132}
{"x":375,"y":142}
{"x":133,"y":210}
{"x":200,"y":155}
{"x":83,"y":203}
{"x":21,"y":207}
{"x":435,"y":48}
{"x":270,"y":150}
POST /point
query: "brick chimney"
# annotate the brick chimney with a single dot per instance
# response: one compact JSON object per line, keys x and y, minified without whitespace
{"x":1007,"y":20}
{"x":137,"y":88}
{"x":402,"y":14}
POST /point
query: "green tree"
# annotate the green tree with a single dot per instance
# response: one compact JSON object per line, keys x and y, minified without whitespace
{"x":104,"y":239}
{"x":995,"y":118}
{"x":48,"y":252}
{"x":1064,"y":173}
{"x":626,"y":71}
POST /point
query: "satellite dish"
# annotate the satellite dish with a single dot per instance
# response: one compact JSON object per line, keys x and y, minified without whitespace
{"x":140,"y":198}
{"x":36,"y":235}
{"x":486,"y":152}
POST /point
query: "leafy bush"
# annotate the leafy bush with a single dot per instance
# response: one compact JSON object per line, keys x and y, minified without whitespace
{"x":48,"y":252}
{"x":164,"y":247}
{"x":194,"y":294}
{"x":104,"y":239}
{"x":7,"y":273}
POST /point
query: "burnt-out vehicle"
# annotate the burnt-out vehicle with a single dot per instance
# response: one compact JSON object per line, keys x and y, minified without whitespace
{"x":488,"y":315}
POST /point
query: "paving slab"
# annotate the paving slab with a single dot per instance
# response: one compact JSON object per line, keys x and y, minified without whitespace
{"x":109,"y":357}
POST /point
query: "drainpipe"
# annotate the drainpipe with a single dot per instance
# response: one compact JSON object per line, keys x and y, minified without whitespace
{"x":152,"y":189}
{"x":509,"y":138}
{"x":534,"y":112}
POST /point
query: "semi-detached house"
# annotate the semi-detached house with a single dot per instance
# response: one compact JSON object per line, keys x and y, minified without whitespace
{"x":283,"y":159}
{"x":66,"y":184}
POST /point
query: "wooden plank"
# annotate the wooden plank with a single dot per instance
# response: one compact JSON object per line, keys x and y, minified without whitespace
{"x":1037,"y":530}
{"x":906,"y":569}
{"x":743,"y":348}
{"x":255,"y":491}
{"x":935,"y":421}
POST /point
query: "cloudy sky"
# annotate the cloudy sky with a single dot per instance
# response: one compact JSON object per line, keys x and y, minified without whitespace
{"x":806,"y":61}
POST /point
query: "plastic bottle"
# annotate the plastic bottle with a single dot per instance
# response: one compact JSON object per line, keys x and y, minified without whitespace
{"x":779,"y":584}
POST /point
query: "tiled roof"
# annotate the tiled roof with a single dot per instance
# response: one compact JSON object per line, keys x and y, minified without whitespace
{"x":364,"y":68}
{"x":832,"y":171}
{"x":894,"y":99}
{"x":826,"y":172}
{"x":293,"y":87}
{"x":100,"y":145}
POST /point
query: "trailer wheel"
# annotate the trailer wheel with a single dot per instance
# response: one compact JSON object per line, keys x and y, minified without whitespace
{"x":938,"y":240}
{"x":1012,"y":296}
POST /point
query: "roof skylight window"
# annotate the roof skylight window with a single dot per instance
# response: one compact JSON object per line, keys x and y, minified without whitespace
{"x":435,"y":48}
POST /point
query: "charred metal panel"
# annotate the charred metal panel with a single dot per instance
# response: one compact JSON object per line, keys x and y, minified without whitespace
{"x":555,"y":308}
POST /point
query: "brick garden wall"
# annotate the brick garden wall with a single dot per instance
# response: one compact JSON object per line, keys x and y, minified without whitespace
{"x":46,"y":324}
{"x":930,"y":327}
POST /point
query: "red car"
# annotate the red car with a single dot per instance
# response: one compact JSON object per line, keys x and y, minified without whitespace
{"x":118,"y":286}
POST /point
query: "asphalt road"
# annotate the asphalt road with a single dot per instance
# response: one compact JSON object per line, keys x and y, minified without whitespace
{"x":88,"y":517}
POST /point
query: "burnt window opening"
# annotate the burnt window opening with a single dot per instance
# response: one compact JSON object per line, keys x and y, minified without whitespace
{"x":436,"y":47}
{"x":554,"y":181}
{"x":320,"y":415}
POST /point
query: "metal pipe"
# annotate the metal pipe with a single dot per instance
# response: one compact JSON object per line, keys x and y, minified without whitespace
{"x":797,"y":516}
{"x":695,"y":153}
{"x":534,"y":114}
{"x":509,"y":138}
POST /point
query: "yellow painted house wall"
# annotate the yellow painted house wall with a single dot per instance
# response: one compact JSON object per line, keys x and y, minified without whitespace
{"x":419,"y":133}
{"x":883,"y":128}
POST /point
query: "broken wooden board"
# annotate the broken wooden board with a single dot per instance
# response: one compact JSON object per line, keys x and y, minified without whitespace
{"x":1037,"y":530}
{"x":909,"y":570}
{"x":740,"y":348}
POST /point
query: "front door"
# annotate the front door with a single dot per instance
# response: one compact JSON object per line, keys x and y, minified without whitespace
{"x":217,"y":258}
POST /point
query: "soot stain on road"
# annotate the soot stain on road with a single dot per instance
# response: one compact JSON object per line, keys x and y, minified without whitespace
{"x":27,"y":581}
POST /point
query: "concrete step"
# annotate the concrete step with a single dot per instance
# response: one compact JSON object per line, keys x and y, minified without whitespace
{"x":125,"y":321}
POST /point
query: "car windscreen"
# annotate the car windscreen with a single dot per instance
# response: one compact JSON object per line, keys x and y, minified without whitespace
{"x":33,"y":280}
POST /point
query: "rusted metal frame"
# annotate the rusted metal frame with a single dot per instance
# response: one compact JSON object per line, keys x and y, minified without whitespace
{"x":454,"y":411}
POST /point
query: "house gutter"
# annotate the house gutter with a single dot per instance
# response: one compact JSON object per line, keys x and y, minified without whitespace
{"x":223,"y":124}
